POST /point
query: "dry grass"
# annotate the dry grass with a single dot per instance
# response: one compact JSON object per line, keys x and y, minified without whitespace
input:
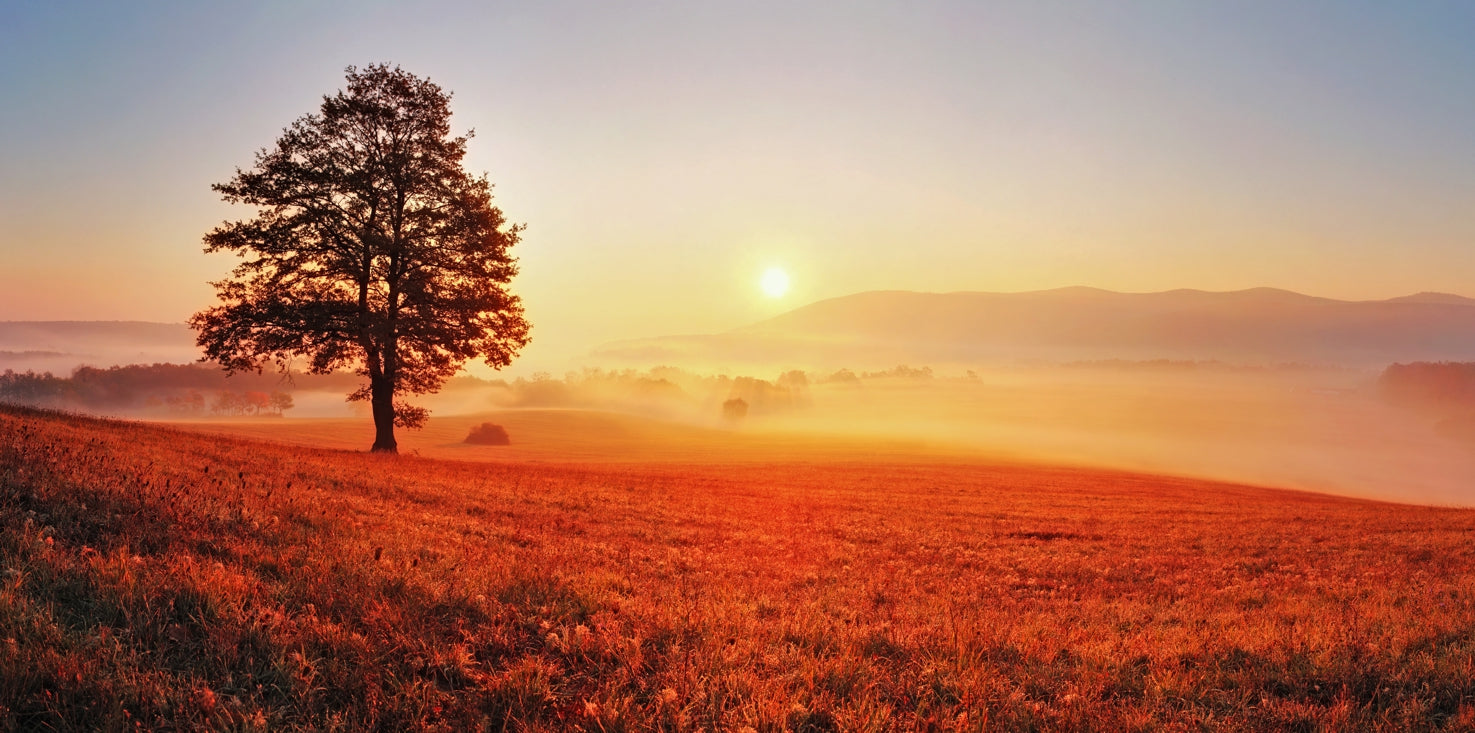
{"x":588,"y":436}
{"x":164,"y":579}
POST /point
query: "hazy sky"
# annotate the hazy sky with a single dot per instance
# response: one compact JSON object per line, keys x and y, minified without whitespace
{"x":663,"y":155}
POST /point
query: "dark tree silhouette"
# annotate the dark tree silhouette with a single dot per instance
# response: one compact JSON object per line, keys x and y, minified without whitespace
{"x":735,"y":409}
{"x":372,"y":249}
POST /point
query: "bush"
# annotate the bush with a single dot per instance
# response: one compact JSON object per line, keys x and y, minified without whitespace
{"x":488,"y":434}
{"x":735,"y":409}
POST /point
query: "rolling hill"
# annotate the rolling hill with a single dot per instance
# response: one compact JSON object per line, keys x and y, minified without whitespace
{"x":1257,"y":326}
{"x":59,"y":346}
{"x":159,"y":579}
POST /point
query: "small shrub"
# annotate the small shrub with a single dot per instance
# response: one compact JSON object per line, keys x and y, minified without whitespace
{"x":488,"y":434}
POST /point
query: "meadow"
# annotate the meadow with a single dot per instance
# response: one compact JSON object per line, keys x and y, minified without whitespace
{"x":159,"y":577}
{"x":1318,"y":429}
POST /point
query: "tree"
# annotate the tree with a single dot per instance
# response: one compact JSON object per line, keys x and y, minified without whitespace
{"x":735,"y":409}
{"x":226,"y":403}
{"x":281,"y":402}
{"x":372,"y":249}
{"x":255,"y":402}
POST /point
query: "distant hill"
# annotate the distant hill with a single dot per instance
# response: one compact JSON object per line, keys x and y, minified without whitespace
{"x":1257,"y":326}
{"x":60,"y":346}
{"x":1432,"y":298}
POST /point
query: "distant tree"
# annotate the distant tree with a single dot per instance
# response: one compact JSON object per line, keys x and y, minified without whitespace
{"x":372,"y":249}
{"x":1442,"y":385}
{"x":844,"y":376}
{"x":256,"y":402}
{"x":542,"y":390}
{"x":760,"y":395}
{"x":226,"y":403}
{"x":735,"y":409}
{"x":902,"y":372}
{"x":281,"y":402}
{"x":794,"y":379}
{"x":179,"y":404}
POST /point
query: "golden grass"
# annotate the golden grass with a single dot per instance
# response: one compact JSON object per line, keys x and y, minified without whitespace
{"x":171,"y":579}
{"x":589,"y":436}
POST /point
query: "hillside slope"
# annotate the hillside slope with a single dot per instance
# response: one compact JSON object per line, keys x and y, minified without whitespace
{"x":1262,"y":325}
{"x":59,"y":346}
{"x":173,"y":580}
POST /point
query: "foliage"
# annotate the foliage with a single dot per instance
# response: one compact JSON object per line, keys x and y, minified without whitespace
{"x":1442,"y":386}
{"x":762,"y":396}
{"x":793,"y":379}
{"x":842,"y":376}
{"x":372,"y":249}
{"x":660,"y":391}
{"x":735,"y":409}
{"x":901,"y":372}
{"x":488,"y":434}
{"x":250,"y":403}
{"x":178,"y":387}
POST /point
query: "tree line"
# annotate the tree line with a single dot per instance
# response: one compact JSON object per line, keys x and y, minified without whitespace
{"x":177,"y":388}
{"x":1430,"y":385}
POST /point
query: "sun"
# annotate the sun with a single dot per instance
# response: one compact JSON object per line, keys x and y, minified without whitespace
{"x":775,"y":282}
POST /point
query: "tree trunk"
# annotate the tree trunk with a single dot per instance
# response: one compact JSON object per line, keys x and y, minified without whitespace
{"x":381,"y":395}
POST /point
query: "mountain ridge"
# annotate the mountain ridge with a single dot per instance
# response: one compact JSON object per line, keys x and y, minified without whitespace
{"x":60,"y":346}
{"x":1255,"y":325}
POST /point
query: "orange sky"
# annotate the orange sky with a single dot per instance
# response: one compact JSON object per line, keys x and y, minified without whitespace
{"x":664,"y":156}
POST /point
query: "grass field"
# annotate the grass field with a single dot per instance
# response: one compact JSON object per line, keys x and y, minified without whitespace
{"x":590,"y":436}
{"x":162,"y":578}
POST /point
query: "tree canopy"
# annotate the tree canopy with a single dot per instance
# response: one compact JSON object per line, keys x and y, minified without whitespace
{"x":371,"y":249}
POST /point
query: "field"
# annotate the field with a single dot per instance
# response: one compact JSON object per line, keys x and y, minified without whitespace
{"x":1323,"y":430}
{"x":683,"y":579}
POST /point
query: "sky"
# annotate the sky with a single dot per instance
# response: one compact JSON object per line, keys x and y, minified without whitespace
{"x":664,"y":156}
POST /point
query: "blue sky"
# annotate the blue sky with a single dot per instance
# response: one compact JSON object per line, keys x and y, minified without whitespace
{"x":664,"y":155}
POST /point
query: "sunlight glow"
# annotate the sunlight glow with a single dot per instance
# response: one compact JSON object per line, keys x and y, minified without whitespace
{"x":775,"y":282}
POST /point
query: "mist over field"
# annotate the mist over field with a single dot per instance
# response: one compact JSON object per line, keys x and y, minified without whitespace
{"x":1231,"y":386}
{"x":61,"y":346}
{"x":1340,"y":431}
{"x":1326,"y":430}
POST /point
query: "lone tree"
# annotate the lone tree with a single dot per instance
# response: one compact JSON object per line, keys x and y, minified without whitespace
{"x":371,"y":249}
